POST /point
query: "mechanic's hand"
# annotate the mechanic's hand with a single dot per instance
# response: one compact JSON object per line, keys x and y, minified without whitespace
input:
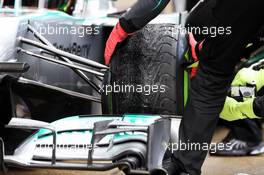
{"x":194,"y":45}
{"x":117,"y":35}
{"x":234,"y":110}
{"x":249,"y":76}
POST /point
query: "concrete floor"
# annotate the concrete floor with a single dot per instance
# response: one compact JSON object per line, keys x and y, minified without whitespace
{"x":212,"y":165}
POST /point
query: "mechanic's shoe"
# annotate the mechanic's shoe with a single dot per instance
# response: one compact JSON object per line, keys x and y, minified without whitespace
{"x":234,"y":147}
{"x":172,"y":168}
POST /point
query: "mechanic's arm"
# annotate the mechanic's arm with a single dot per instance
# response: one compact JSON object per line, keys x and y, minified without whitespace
{"x":250,"y":108}
{"x":258,"y":106}
{"x":141,"y":14}
{"x":136,"y":18}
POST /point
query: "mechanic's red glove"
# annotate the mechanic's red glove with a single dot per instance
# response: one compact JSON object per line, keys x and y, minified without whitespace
{"x":117,"y":35}
{"x":194,"y":44}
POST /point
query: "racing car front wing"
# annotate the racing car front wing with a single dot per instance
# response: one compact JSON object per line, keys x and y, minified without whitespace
{"x":133,"y":155}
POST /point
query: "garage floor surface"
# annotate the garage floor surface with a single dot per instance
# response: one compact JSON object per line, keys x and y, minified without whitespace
{"x":212,"y":166}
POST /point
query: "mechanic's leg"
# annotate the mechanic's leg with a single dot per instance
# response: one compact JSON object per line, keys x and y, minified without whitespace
{"x":249,"y":131}
{"x":243,"y":139}
{"x":217,"y":61}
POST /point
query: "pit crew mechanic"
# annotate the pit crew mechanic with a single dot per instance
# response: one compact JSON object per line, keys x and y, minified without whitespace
{"x":218,"y":57}
{"x":246,"y":132}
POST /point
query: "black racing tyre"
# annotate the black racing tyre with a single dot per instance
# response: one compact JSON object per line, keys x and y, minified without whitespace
{"x":143,"y":73}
